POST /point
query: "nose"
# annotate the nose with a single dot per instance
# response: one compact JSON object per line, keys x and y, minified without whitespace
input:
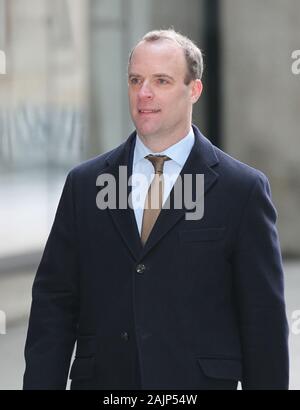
{"x":145,"y":92}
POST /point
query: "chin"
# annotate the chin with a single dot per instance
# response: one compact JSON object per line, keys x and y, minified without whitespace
{"x":146,"y":131}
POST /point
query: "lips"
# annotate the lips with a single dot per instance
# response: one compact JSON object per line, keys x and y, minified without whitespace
{"x":148,"y":111}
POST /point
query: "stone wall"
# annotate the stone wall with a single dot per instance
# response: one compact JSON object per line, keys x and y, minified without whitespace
{"x":261,"y":100}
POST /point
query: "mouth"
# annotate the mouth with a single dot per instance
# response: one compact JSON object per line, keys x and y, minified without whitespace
{"x":147,"y":112}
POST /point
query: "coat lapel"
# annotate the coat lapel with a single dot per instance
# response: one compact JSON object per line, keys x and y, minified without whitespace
{"x":200,"y":161}
{"x":124,"y":219}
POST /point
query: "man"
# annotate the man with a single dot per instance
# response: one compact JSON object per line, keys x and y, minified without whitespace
{"x":153,"y":298}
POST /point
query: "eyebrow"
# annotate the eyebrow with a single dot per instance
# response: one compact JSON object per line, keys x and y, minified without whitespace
{"x":163,"y":75}
{"x":134,"y":75}
{"x":158,"y":75}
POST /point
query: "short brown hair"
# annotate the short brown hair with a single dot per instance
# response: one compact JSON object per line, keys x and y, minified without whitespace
{"x":193,"y":54}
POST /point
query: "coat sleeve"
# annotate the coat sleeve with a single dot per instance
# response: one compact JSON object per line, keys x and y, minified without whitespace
{"x":54,"y":310}
{"x":259,"y":294}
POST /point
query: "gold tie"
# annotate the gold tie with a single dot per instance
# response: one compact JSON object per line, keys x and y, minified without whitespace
{"x":154,"y":198}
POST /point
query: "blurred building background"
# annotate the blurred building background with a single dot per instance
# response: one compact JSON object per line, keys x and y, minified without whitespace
{"x":63,"y":99}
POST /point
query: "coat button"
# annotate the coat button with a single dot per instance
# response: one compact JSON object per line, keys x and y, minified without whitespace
{"x":124,"y":336}
{"x":140,"y":268}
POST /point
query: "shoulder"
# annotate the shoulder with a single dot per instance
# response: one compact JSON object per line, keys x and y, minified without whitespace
{"x":237,"y":173}
{"x":91,"y":168}
{"x":92,"y":165}
{"x":232,"y":172}
{"x":246,"y":188}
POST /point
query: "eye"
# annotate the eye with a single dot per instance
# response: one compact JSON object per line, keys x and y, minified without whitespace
{"x":134,"y":80}
{"x":162,"y":81}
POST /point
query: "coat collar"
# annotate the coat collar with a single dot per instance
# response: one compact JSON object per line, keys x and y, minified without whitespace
{"x":202,"y":158}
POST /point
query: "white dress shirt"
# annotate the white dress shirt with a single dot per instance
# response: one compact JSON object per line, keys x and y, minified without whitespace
{"x":143,"y":171}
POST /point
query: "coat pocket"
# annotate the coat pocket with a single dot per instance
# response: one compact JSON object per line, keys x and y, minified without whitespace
{"x":221,"y":368}
{"x":82,"y":368}
{"x":200,"y":235}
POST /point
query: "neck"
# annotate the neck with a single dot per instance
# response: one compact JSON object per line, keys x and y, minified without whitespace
{"x":159,"y":143}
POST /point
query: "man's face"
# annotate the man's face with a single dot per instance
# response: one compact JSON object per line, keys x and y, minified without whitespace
{"x":160,"y":102}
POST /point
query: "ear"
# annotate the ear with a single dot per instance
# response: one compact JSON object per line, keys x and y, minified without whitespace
{"x":196,"y":90}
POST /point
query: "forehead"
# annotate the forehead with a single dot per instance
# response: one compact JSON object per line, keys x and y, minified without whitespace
{"x":157,"y":56}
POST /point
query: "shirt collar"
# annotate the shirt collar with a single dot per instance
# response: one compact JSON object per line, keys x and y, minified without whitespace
{"x":177,"y":152}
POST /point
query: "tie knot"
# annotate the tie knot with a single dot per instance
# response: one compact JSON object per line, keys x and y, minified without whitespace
{"x":158,"y":162}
